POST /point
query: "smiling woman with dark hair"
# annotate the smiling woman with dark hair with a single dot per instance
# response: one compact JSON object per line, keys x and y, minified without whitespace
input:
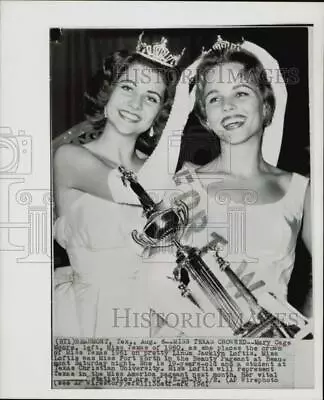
{"x":114,"y":66}
{"x":130,"y":98}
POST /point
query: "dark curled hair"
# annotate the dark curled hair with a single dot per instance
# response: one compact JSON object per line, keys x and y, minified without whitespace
{"x":102,"y":85}
{"x":253,"y":70}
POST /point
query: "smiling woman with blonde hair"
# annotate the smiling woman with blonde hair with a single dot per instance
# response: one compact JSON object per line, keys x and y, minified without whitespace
{"x":264,"y":206}
{"x":242,"y":197}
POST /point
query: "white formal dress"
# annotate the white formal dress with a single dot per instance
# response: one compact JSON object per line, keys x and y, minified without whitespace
{"x":109,"y":276}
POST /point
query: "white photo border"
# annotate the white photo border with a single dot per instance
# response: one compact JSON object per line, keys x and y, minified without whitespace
{"x":25,"y":329}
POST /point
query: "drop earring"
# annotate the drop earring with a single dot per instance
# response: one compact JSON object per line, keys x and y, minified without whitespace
{"x":151,"y":133}
{"x":105,"y":112}
{"x":266,"y":115}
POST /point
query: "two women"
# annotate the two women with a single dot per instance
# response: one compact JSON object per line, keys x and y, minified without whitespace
{"x":94,"y":221}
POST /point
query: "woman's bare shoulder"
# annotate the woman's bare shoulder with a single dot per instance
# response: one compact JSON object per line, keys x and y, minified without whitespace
{"x":66,"y":154}
{"x":281,"y":177}
{"x":71,"y":150}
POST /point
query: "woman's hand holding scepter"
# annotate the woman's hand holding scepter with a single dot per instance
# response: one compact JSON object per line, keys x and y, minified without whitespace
{"x":158,"y":170}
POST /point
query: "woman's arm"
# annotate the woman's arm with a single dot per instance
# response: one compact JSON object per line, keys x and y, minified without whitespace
{"x":75,"y":167}
{"x":306,"y":230}
{"x":307,"y":308}
{"x":160,"y":167}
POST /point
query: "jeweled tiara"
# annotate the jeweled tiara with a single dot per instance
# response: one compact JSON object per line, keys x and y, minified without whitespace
{"x":158,"y":52}
{"x":221,"y":44}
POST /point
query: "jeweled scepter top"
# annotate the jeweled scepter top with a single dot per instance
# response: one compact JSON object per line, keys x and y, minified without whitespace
{"x":164,"y":224}
{"x":146,"y":201}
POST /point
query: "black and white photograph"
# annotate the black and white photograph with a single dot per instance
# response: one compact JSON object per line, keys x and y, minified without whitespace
{"x":180,"y":141}
{"x":161,"y":166}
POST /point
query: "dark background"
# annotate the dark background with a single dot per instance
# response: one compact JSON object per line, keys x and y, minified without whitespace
{"x":75,"y":55}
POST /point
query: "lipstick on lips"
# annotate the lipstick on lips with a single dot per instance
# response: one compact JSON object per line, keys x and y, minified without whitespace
{"x":129,"y":116}
{"x":231,"y":122}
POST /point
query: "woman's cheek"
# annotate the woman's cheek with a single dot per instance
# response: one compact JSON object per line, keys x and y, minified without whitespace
{"x":212,"y":113}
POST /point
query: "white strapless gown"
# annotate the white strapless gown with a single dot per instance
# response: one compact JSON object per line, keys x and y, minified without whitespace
{"x":109,"y":290}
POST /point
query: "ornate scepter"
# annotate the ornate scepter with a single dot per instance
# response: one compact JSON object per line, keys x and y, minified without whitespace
{"x":165,"y":227}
